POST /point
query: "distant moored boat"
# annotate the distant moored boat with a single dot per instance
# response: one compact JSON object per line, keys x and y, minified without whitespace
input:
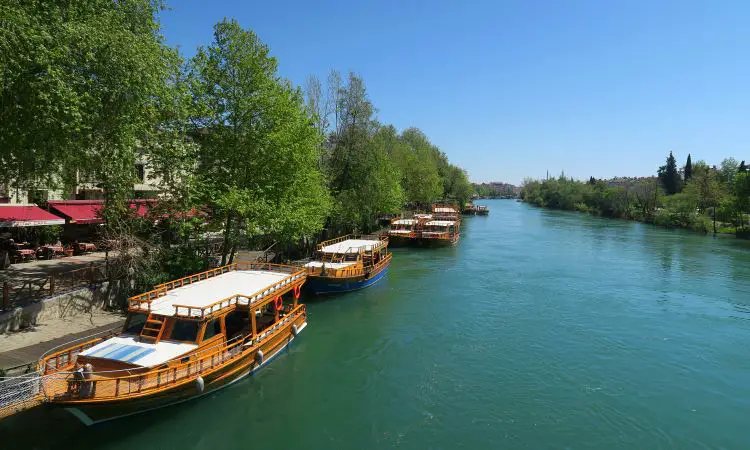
{"x":347,"y":264}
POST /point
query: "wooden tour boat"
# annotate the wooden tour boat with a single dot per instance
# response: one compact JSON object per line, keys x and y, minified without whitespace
{"x":440,"y":232}
{"x":446,"y":212}
{"x":405,"y":231}
{"x":469,"y":209}
{"x":348,"y":263}
{"x":482,"y":210}
{"x":182,"y":340}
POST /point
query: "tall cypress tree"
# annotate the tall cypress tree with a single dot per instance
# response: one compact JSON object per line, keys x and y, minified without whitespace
{"x":670,"y":178}
{"x":688,"y":169}
{"x":742,"y":168}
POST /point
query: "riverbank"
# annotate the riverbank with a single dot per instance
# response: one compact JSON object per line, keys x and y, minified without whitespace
{"x":667,"y":224}
{"x":642,"y":200}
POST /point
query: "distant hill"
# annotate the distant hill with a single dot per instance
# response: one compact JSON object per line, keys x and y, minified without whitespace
{"x":496,"y":189}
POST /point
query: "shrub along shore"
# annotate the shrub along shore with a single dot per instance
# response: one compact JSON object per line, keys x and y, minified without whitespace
{"x":696,"y":196}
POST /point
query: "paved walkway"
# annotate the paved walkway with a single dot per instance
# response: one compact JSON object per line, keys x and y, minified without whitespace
{"x":43,"y":267}
{"x":24,"y":347}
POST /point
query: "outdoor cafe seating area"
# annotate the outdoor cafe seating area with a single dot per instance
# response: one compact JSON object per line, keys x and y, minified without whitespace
{"x":29,"y":233}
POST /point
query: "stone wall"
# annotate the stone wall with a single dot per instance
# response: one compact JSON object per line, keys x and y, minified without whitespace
{"x":74,"y":303}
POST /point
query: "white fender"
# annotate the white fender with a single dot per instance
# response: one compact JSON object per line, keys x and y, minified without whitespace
{"x":199,"y":384}
{"x":259,"y":356}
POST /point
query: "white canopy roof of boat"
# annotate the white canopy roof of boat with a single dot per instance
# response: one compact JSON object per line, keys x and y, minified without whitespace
{"x":444,"y":210}
{"x":127,"y":348}
{"x":440,"y":223}
{"x":352,"y":246}
{"x":329,"y":265}
{"x":206,"y":292}
{"x":423,"y":216}
{"x":404,"y":222}
{"x":399,"y":231}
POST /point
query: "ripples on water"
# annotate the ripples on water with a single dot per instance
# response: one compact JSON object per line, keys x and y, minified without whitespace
{"x":541,"y":329}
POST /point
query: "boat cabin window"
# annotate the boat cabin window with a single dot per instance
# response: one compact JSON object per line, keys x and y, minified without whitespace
{"x":237,"y":322}
{"x":135,"y":323}
{"x":212,"y":329}
{"x":185,"y":330}
{"x":351,"y":257}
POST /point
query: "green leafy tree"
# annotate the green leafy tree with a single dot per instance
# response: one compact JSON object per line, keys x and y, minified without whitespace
{"x":421,"y":180}
{"x":728,"y":170}
{"x":741,"y":190}
{"x":82,"y":84}
{"x":363,"y":179}
{"x":259,"y":148}
{"x":704,"y":187}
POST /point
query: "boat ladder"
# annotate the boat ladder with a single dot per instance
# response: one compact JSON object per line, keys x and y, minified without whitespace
{"x":153,"y":328}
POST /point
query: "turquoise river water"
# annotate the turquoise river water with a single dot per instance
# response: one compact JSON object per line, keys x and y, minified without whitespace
{"x":540,"y":329}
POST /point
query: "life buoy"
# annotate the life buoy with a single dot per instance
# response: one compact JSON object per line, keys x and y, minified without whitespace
{"x":278,"y":303}
{"x":297,"y":291}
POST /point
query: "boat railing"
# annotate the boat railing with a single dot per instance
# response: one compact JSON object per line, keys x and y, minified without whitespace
{"x":107,"y":385}
{"x":281,"y":287}
{"x":137,"y":302}
{"x":62,"y":356}
{"x":143,"y":301}
{"x":371,"y":237}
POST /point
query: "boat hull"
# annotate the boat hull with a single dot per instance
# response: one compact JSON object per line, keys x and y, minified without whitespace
{"x":91,"y":413}
{"x":437,"y":242}
{"x":327,"y":285}
{"x":400,"y":241}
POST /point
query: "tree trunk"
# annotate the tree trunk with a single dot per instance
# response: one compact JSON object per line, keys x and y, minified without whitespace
{"x":225,"y":246}
{"x":233,"y":252}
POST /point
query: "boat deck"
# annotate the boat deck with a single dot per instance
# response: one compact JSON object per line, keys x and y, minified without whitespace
{"x":205,"y":293}
{"x":352,"y":246}
{"x":329,"y":265}
{"x":440,"y":223}
{"x":130,"y":350}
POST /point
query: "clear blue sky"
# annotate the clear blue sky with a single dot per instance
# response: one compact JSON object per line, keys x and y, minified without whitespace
{"x":510,"y":89}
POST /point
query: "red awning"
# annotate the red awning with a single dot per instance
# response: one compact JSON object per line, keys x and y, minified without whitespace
{"x":26,"y":216}
{"x":79,"y":211}
{"x":88,"y":211}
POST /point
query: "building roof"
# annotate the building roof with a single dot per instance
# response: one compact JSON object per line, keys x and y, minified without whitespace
{"x":26,"y":216}
{"x":352,"y":246}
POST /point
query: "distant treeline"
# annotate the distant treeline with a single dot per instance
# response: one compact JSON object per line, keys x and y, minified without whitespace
{"x":370,"y":167}
{"x":696,"y":196}
{"x":495,"y":190}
